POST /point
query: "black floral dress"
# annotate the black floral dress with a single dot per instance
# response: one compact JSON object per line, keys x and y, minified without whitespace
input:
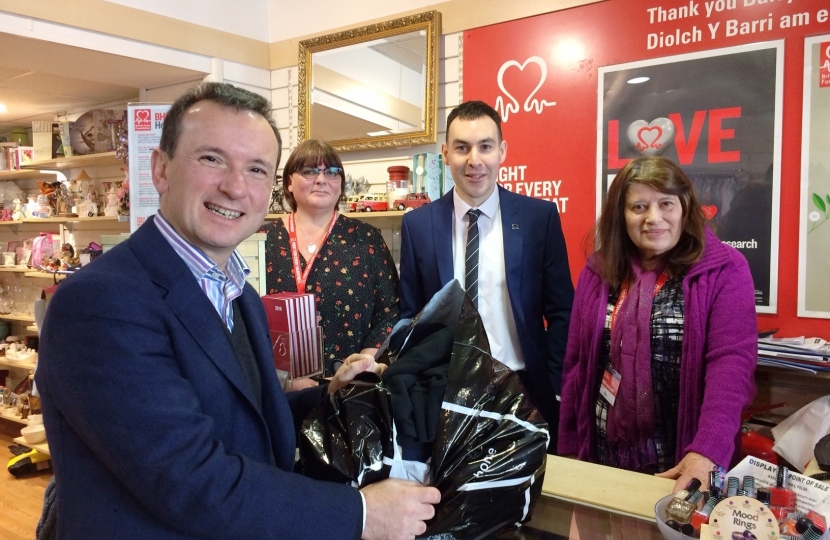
{"x":353,"y":279}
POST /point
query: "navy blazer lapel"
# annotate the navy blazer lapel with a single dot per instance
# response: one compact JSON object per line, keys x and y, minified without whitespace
{"x":512,"y":235}
{"x":188,"y":302}
{"x":442,"y":217}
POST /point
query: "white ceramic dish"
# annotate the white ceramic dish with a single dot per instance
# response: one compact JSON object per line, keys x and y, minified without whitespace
{"x":34,"y":434}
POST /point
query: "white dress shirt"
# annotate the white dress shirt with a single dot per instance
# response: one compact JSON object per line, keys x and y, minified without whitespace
{"x":493,"y":299}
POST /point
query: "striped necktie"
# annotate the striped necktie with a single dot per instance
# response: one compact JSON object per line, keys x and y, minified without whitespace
{"x":471,"y":257}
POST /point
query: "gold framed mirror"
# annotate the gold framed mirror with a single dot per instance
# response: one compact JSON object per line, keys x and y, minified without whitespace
{"x":371,"y":87}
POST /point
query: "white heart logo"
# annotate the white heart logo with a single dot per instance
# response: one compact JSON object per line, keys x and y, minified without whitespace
{"x":143,"y":115}
{"x":651,"y":138}
{"x":530,"y":103}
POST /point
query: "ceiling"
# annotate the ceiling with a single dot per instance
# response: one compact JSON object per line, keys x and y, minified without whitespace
{"x":39,"y":79}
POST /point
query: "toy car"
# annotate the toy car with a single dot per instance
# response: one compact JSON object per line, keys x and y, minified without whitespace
{"x":413,"y":200}
{"x":351,"y":203}
{"x":374,"y":202}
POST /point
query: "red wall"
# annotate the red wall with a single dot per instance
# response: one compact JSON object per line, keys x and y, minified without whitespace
{"x":560,"y":143}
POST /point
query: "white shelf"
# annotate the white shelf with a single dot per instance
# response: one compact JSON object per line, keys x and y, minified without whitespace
{"x":17,"y":364}
{"x":40,"y":447}
{"x":105,"y":159}
{"x":18,"y":269}
{"x":22,"y":174}
{"x":8,"y":414}
{"x":62,"y":220}
{"x":16,"y":317}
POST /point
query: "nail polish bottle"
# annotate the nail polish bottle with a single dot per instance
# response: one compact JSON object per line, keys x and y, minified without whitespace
{"x":782,"y":498}
{"x":691,"y":487}
{"x":673,"y":524}
{"x":812,"y":533}
{"x":731,"y":486}
{"x":714,"y":481}
{"x":796,"y":524}
{"x":817,"y":519}
{"x":681,"y":510}
{"x":702,"y":516}
{"x":764,"y":496}
{"x":749,"y":486}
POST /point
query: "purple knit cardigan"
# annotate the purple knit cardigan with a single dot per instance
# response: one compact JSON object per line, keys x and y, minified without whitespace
{"x":720,"y":348}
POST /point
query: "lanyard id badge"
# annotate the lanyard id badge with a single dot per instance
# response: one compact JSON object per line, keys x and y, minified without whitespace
{"x":610,"y":385}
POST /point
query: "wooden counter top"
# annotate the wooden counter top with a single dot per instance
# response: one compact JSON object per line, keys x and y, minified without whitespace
{"x":595,"y":486}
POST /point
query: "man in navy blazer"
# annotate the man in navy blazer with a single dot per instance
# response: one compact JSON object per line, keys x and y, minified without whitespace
{"x":164,"y":413}
{"x":524,"y":288}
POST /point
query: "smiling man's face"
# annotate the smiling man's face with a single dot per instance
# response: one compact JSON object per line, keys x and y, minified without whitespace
{"x":474,"y":153}
{"x":216,"y":189}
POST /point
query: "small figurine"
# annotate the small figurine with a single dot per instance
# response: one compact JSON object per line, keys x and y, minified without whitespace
{"x":88,"y":208}
{"x":67,"y":256}
{"x":31,"y":206}
{"x":44,"y":209}
{"x":17,"y":215}
{"x":112,"y":204}
{"x":124,"y":192}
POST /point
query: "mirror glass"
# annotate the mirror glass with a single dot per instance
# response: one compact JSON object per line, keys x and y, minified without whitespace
{"x":372,"y":87}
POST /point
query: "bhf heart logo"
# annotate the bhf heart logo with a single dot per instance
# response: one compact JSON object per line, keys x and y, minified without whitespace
{"x":530,"y":104}
{"x":141,"y":120}
{"x":651,"y":138}
{"x":709,"y":211}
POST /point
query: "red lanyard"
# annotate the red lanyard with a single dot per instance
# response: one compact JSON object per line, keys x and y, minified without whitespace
{"x":300,"y":276}
{"x":661,"y":280}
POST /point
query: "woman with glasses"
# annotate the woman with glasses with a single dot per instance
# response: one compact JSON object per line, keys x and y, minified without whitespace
{"x":342,"y":261}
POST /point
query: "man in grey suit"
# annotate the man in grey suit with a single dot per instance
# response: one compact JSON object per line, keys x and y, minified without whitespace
{"x":507,"y":250}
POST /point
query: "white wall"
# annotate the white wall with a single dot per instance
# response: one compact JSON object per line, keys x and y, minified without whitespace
{"x":242,"y":17}
{"x":293,"y":19}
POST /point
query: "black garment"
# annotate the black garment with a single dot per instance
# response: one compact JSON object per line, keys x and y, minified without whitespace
{"x":354,"y":282}
{"x":416,"y":383}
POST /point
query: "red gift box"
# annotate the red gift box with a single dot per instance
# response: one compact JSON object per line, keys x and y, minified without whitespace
{"x":295,"y":336}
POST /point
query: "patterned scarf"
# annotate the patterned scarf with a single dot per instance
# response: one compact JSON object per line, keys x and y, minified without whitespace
{"x":631,"y":418}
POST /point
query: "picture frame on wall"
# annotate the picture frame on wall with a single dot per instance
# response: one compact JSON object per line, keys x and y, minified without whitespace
{"x":814,"y":233}
{"x":718,"y":115}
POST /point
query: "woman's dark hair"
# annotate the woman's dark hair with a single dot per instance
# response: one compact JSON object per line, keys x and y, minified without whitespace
{"x":614,"y":248}
{"x":310,"y":153}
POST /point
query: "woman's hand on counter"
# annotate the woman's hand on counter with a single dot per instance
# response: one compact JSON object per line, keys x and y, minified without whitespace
{"x":693,"y":465}
{"x":354,"y":364}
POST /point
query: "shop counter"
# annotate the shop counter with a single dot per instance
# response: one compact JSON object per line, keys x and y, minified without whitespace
{"x":588,"y":501}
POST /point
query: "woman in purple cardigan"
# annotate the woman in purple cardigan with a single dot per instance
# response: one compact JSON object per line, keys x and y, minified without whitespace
{"x":663,"y":335}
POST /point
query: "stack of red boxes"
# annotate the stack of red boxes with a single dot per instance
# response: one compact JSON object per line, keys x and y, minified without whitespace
{"x":296,"y":338}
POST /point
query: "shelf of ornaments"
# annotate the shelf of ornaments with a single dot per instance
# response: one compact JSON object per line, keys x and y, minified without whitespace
{"x":8,"y":413}
{"x":105,"y":159}
{"x":20,"y":364}
{"x":33,"y":169}
{"x":67,"y":220}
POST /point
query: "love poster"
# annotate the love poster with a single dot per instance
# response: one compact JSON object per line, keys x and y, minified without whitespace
{"x":717,"y":114}
{"x":814,"y":237}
